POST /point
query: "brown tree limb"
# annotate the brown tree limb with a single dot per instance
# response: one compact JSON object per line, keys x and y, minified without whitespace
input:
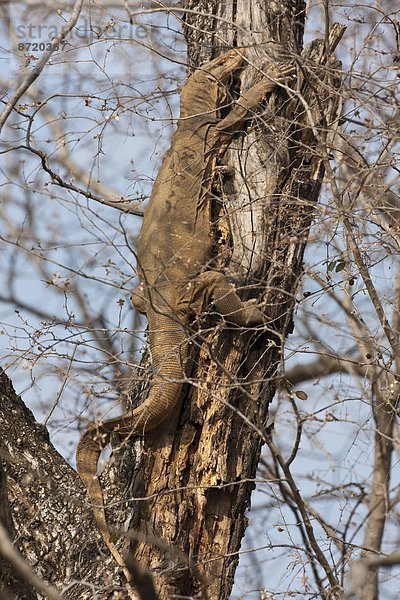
{"x":46,"y":495}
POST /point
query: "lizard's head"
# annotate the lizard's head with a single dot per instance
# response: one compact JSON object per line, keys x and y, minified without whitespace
{"x":206,"y":88}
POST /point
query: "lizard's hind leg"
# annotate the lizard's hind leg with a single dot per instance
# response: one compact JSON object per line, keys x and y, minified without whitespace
{"x":212,"y":287}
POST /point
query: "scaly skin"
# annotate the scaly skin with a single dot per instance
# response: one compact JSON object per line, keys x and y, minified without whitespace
{"x":174,"y":248}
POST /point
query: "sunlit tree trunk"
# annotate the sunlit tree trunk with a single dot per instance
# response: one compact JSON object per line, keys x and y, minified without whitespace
{"x":197,"y":472}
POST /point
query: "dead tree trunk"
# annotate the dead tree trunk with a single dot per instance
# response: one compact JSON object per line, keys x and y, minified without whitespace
{"x":197,"y":472}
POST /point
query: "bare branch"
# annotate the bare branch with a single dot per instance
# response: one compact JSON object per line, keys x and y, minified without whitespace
{"x":38,"y":68}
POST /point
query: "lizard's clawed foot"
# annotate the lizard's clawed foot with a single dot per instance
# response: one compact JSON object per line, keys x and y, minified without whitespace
{"x":281,"y":73}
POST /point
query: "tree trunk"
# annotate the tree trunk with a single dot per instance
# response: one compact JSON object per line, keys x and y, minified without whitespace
{"x":197,"y":472}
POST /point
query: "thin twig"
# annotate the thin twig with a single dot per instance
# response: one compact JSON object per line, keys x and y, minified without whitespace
{"x":35,"y":72}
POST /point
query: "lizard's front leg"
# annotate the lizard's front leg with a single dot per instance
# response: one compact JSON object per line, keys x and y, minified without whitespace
{"x":247,"y":104}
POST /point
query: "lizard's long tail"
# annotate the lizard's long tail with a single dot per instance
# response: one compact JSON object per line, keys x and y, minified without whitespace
{"x":168,"y":343}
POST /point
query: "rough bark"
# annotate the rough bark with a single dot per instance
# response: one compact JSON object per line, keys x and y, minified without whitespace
{"x":11,"y":584}
{"x":197,"y":472}
{"x":47,"y":511}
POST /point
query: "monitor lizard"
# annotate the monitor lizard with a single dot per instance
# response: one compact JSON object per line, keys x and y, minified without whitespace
{"x":173,"y":253}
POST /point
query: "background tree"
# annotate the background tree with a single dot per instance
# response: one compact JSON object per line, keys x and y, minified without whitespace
{"x":326,"y":486}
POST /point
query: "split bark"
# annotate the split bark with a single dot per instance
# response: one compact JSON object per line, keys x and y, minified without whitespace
{"x":197,"y":472}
